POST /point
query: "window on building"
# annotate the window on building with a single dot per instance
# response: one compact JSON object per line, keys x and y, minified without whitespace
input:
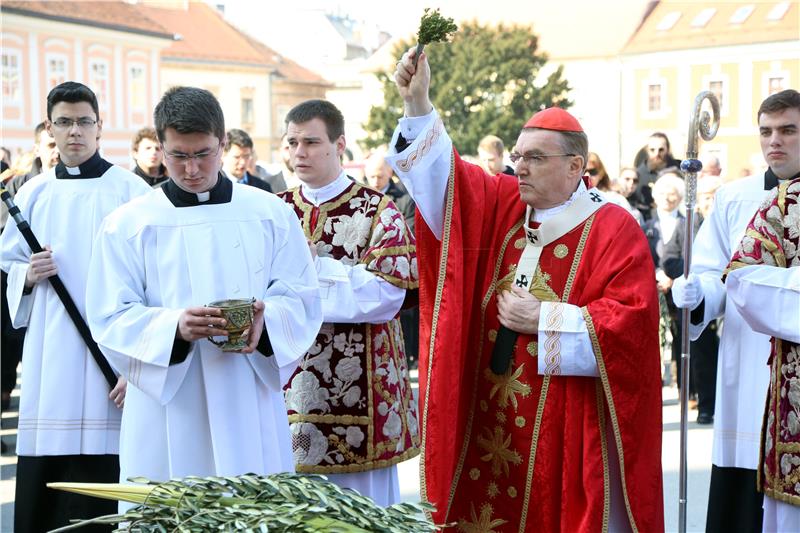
{"x":741,"y":14}
{"x":703,"y":17}
{"x":56,"y":71}
{"x":248,"y":112}
{"x":718,"y":88}
{"x":12,"y":89}
{"x":281,"y":111}
{"x":654,"y":97}
{"x":668,"y":21}
{"x":137,"y":87}
{"x":778,"y":11}
{"x":775,"y":85}
{"x":98,"y":81}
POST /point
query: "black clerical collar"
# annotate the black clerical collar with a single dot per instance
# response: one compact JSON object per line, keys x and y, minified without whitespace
{"x":94,"y":167}
{"x":151,"y":180}
{"x":221,"y":193}
{"x":771,"y":180}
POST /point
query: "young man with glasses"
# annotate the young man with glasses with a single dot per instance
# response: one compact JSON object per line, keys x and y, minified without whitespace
{"x":193,"y":409}
{"x":540,"y":383}
{"x":68,"y":420}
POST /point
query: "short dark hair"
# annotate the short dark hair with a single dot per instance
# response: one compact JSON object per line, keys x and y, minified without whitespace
{"x":144,"y":133}
{"x":189,"y":110}
{"x":71,"y":92}
{"x":37,"y":131}
{"x":321,"y":109}
{"x":661,"y":135}
{"x":239,"y":138}
{"x":779,"y":101}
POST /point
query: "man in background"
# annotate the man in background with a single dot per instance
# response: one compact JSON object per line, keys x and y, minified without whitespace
{"x":490,"y":155}
{"x":148,"y":157}
{"x":236,"y":160}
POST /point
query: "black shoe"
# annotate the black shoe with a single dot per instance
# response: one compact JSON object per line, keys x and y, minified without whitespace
{"x":704,"y":419}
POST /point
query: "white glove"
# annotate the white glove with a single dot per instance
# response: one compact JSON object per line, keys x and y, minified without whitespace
{"x":687,"y":293}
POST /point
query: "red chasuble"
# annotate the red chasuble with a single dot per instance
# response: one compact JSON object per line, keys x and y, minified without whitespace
{"x":521,"y":451}
{"x":349,"y":402}
{"x":773,"y":238}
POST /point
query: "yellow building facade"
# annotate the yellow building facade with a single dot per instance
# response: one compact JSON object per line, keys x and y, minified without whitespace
{"x":742,"y":52}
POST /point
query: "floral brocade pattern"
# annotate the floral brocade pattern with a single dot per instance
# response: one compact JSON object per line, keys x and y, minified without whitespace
{"x":772,"y":238}
{"x":349,"y":402}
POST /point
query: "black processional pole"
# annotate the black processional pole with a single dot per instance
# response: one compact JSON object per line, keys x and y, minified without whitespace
{"x":61,"y":291}
{"x":706,"y":126}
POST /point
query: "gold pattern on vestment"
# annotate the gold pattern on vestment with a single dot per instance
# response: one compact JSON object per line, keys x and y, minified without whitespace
{"x":497,"y":446}
{"x":491,"y":490}
{"x":532,"y":348}
{"x":539,"y":286}
{"x":476,"y":373}
{"x":561,"y":251}
{"x":492,"y":335}
{"x":512,"y":492}
{"x":482,"y":523}
{"x":474,"y":474}
{"x":601,"y":368}
{"x":507,"y":386}
{"x":537,"y":424}
{"x":520,"y":243}
{"x":500,"y":416}
{"x":520,"y":421}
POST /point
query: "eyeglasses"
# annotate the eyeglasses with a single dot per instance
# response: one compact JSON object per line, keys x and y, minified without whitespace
{"x":536,"y":159}
{"x":67,"y":123}
{"x":200,"y":157}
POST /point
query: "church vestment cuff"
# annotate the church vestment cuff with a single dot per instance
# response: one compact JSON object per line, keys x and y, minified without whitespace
{"x":411,"y":127}
{"x":564,"y":346}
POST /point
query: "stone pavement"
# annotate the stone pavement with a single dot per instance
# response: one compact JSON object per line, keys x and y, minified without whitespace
{"x":699,"y":462}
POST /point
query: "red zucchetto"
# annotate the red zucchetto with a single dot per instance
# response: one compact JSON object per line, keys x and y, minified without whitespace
{"x":554,"y":118}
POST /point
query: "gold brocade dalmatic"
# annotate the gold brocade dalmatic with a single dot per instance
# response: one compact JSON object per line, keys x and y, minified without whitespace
{"x":773,"y":239}
{"x":350,"y":402}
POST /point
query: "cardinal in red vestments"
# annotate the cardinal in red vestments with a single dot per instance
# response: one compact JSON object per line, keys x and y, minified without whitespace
{"x":540,"y":382}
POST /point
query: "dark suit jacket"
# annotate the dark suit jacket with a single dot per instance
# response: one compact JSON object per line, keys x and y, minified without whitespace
{"x":652,"y":230}
{"x":672,"y":258}
{"x":255,"y":181}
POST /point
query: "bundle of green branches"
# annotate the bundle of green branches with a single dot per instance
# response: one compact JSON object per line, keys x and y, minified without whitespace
{"x":275,"y":503}
{"x":433,"y":28}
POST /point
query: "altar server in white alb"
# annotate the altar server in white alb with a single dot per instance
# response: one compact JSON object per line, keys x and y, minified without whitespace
{"x":764,"y":284}
{"x":743,"y":370}
{"x":193,"y":409}
{"x":68,"y":420}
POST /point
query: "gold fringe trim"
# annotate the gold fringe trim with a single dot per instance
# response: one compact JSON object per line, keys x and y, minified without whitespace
{"x":329,"y":419}
{"x":361,"y":467}
{"x":468,"y":430}
{"x":537,"y":425}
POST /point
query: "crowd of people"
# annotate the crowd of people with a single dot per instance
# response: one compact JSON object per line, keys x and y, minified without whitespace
{"x":540,"y":296}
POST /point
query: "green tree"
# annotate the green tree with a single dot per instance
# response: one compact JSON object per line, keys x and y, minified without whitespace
{"x":481,"y":83}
